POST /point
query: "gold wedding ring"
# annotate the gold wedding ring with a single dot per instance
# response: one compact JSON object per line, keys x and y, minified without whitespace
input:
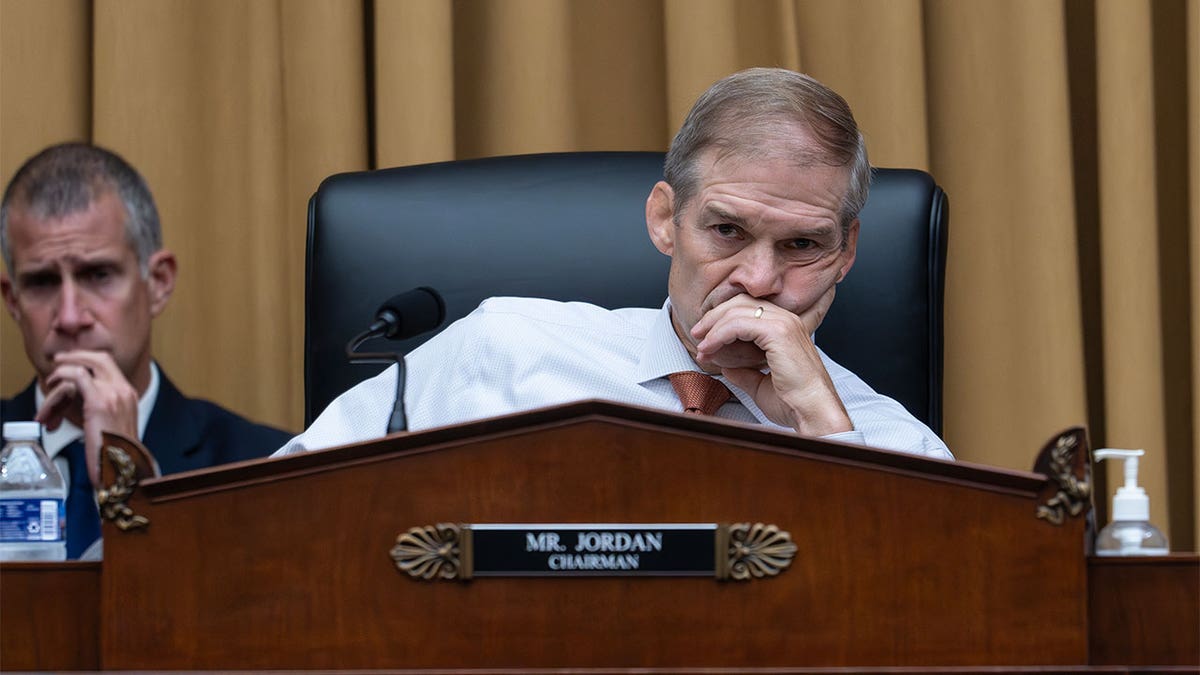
{"x":758,"y":312}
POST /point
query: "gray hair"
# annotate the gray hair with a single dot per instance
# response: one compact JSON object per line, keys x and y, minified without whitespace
{"x":744,"y":113}
{"x":68,"y":178}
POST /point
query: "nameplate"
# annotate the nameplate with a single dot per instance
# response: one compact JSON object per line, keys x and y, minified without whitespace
{"x":591,"y":550}
{"x":464,"y":551}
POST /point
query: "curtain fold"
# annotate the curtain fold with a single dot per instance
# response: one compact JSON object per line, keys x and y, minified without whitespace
{"x":1129,"y":241}
{"x":214,"y":103}
{"x":516,"y":77}
{"x":45,"y":96}
{"x":1065,"y":132}
{"x":1000,"y":145}
{"x":880,"y":73}
{"x":413,"y":63}
{"x":1192,"y":21}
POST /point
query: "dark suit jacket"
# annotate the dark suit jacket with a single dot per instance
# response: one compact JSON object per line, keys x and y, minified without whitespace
{"x":183,"y":433}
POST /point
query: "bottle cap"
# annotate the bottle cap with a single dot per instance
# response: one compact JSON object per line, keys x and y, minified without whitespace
{"x":22,"y":431}
{"x":1130,"y":502}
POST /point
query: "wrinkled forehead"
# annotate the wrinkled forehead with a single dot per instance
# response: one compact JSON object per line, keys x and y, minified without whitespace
{"x":788,"y":163}
{"x":770,"y":140}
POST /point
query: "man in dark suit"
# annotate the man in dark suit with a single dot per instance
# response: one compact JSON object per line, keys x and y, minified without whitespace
{"x":86,"y":273}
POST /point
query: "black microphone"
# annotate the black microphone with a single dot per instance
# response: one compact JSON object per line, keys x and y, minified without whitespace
{"x":403,"y":316}
{"x":409,"y":313}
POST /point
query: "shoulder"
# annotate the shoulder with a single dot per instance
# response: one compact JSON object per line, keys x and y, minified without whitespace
{"x":241,"y":435}
{"x":506,"y":339}
{"x":218,"y":419}
{"x":202,"y":433}
{"x":882,"y":421}
{"x":20,"y":407}
{"x":571,"y":315}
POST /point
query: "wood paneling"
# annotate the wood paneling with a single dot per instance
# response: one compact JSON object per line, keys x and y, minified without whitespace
{"x":904,"y":564}
{"x":902,"y":560}
{"x":1144,"y":611}
{"x":49,"y":616}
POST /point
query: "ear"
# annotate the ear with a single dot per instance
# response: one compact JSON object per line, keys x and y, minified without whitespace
{"x":162,"y":269}
{"x":850,"y":252}
{"x":660,"y":217}
{"x":10,"y":297}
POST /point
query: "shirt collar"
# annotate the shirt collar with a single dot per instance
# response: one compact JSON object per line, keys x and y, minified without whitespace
{"x":663,"y":353}
{"x":55,"y":441}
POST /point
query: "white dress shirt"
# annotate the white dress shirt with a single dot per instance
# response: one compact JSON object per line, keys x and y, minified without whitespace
{"x":514,"y":354}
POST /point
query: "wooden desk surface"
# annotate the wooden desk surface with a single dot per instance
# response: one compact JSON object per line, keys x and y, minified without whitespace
{"x":1142,"y":612}
{"x":50,"y":616}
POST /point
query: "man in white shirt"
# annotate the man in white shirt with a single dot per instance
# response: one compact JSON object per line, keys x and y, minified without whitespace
{"x":758,"y":212}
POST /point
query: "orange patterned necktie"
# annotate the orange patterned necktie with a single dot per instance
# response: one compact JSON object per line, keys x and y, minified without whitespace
{"x":699,"y":393}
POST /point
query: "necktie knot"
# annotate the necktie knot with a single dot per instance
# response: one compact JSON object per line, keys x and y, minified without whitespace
{"x":699,"y":393}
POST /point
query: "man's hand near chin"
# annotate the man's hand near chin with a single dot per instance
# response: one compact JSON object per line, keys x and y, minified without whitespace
{"x":737,"y":339}
{"x":89,"y":389}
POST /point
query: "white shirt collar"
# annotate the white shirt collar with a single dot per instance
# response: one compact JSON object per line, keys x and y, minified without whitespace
{"x":663,"y":352}
{"x":55,"y":441}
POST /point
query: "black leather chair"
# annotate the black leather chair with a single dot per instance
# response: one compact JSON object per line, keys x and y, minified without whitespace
{"x":571,"y":226}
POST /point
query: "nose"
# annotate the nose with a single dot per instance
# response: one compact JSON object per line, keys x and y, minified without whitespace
{"x":757,"y":272}
{"x":73,"y":313}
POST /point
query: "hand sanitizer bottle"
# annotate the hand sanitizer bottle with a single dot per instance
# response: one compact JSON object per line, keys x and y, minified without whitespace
{"x":1130,"y":532}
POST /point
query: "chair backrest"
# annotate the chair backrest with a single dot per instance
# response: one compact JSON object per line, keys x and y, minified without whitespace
{"x":571,"y":226}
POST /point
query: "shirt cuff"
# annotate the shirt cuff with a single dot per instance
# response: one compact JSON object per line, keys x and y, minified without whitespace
{"x":853,"y":436}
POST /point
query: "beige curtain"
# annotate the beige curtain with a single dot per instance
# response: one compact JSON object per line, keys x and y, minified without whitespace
{"x":1067,"y":134}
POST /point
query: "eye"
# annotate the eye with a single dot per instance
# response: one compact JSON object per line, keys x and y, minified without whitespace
{"x":96,"y":275}
{"x":804,"y":250}
{"x":727,"y":230}
{"x":40,"y":280}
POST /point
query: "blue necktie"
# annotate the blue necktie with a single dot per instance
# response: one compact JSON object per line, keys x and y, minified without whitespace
{"x":83,"y":520}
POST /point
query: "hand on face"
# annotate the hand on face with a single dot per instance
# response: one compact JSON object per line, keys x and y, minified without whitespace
{"x":88,"y":388}
{"x":796,"y":391}
{"x":760,"y":232}
{"x":84,"y":306}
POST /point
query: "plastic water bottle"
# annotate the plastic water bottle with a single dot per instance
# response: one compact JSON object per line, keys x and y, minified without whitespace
{"x":32,"y":498}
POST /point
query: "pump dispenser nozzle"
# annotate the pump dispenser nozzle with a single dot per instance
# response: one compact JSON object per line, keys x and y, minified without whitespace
{"x":1130,"y":532}
{"x":1130,"y":502}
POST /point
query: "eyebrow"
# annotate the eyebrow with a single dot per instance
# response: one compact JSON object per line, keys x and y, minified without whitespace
{"x":40,"y":275}
{"x":725,"y":215}
{"x":77,"y":264}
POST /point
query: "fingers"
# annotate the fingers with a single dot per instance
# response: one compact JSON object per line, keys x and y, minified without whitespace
{"x":89,"y":389}
{"x":739,"y":332}
{"x":737,"y":304}
{"x":748,"y":319}
{"x":100,"y":365}
{"x":749,"y":380}
{"x":743,"y":334}
{"x":62,"y":401}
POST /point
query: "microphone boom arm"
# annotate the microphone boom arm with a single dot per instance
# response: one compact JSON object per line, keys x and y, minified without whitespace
{"x":398,"y":420}
{"x":401,"y":316}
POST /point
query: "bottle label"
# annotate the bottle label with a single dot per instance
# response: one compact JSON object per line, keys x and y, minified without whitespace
{"x":25,"y":520}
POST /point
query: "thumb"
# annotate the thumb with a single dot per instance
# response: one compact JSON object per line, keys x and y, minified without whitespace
{"x":747,"y":379}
